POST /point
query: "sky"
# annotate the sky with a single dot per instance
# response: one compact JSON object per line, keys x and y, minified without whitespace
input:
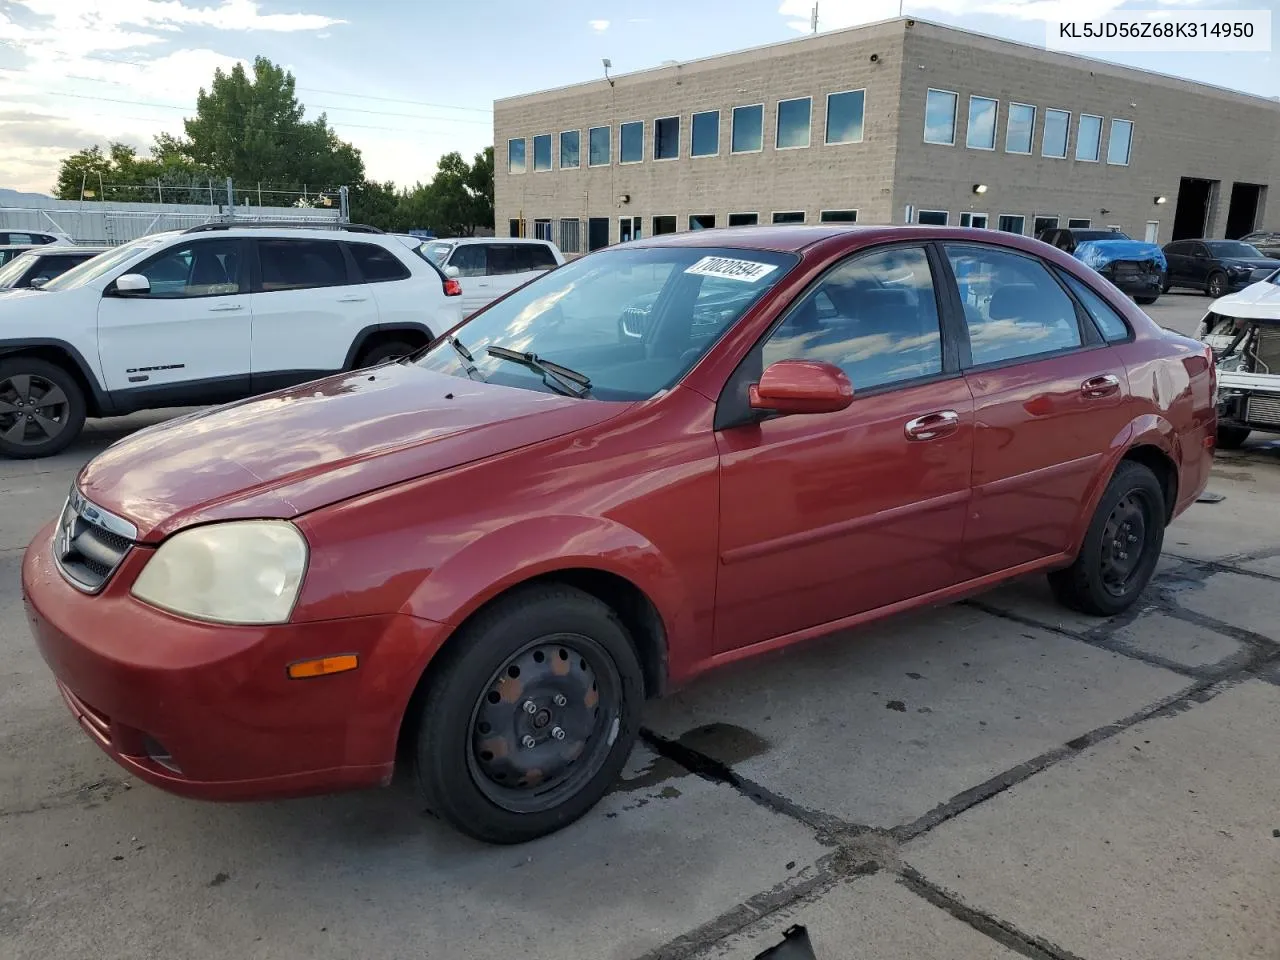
{"x":407,"y":81}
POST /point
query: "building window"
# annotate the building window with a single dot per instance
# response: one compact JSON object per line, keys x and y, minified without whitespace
{"x":1057,"y":127}
{"x":629,"y":228}
{"x":570,"y":236}
{"x":597,"y":233}
{"x":663,"y":225}
{"x":542,"y":230}
{"x":631,"y":142}
{"x":515,"y":156}
{"x":706,"y":134}
{"x":1022,"y":124}
{"x":1012,"y":223}
{"x":1119,"y":143}
{"x":978,"y":221}
{"x":748,"y":129}
{"x":940,"y":118}
{"x":1041,"y":224}
{"x":702,"y":221}
{"x":932,"y":218}
{"x":570,"y":156}
{"x":794,"y":118}
{"x":839,"y":216}
{"x":1078,"y":223}
{"x":513,"y":228}
{"x":845,"y":114}
{"x":743,"y":219}
{"x":1088,"y":137}
{"x":542,"y":152}
{"x":789,"y":216}
{"x":666,"y":138}
{"x":598,"y":147}
{"x":981,"y":132}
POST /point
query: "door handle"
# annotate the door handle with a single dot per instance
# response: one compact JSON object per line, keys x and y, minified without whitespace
{"x":227,"y":308}
{"x":352,"y":299}
{"x":1103,"y":386}
{"x":933,"y":425}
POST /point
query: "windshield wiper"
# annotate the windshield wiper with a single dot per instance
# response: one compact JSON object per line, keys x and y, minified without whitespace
{"x":561,"y":378}
{"x":468,"y":361}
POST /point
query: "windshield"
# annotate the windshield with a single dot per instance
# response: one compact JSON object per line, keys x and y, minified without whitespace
{"x":436,"y":251}
{"x":12,"y":271}
{"x":631,"y":322}
{"x":1083,"y":235}
{"x":98,"y":266}
{"x":1231,"y":248}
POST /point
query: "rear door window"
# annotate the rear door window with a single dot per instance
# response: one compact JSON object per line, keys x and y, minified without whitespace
{"x":301,"y":264}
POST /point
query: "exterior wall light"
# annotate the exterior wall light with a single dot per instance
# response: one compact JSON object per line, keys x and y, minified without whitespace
{"x":1160,"y":199}
{"x":979,"y":188}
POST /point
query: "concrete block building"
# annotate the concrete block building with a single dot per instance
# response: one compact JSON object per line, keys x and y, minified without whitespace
{"x":902,"y":121}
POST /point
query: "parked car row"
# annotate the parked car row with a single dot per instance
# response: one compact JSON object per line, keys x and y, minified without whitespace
{"x":663,"y":457}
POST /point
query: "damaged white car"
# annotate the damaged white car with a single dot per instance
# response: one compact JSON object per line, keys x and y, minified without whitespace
{"x":1244,"y":331}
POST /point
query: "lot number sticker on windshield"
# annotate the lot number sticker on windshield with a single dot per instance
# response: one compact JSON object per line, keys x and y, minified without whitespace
{"x":748,"y":271}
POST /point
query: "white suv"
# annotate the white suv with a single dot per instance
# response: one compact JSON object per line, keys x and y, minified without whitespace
{"x":207,"y":315}
{"x":489,"y":267}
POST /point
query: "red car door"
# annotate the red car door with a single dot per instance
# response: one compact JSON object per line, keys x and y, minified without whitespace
{"x":1050,"y":398}
{"x":827,"y":515}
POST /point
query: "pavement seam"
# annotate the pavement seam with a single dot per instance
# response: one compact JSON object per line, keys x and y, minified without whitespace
{"x":1001,"y":931}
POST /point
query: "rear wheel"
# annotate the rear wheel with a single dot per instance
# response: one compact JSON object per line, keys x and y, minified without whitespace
{"x":530,"y":717}
{"x":1121,"y":546}
{"x":1231,"y":437}
{"x":42,"y":408}
{"x":382,"y":352}
{"x":1217,"y":284}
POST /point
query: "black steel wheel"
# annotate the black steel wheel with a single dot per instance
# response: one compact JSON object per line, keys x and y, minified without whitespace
{"x":1217,"y":285}
{"x":529,"y":715}
{"x":1121,"y":547}
{"x":42,"y":408}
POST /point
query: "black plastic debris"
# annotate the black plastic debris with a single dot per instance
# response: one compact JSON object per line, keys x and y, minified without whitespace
{"x":795,"y":945}
{"x":1208,"y":497}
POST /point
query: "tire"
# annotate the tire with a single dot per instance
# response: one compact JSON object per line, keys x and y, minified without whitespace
{"x":54,"y":399}
{"x":1133,"y":497}
{"x":382,"y":352}
{"x":1147,"y":301}
{"x":1231,"y":437}
{"x":1216,"y":285}
{"x":475,"y":715}
{"x":1164,"y":285}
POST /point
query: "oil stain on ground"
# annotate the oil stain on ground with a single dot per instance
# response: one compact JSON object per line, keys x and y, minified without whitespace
{"x":724,"y":742}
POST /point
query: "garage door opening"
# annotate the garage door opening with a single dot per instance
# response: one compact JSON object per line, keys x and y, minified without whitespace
{"x":1242,"y":214}
{"x":1191,"y":219}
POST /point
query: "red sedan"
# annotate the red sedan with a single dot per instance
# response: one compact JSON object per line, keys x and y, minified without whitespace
{"x":652,"y":461}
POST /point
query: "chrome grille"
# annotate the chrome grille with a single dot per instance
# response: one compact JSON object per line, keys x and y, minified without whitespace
{"x":1264,"y":409}
{"x":89,"y":543}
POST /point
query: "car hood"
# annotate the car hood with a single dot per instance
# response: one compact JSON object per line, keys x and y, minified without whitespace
{"x":1258,"y":301}
{"x":283,"y":454}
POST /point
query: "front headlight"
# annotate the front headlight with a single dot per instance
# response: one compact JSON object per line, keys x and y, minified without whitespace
{"x":246,"y":572}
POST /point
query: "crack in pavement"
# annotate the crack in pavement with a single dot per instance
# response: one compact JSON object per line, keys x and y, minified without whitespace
{"x":862,"y":850}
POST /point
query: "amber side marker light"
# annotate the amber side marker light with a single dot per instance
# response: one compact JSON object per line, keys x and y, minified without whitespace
{"x":323,"y":666}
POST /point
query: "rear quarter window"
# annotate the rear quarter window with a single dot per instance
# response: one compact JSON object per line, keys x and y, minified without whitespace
{"x":1110,"y":324}
{"x":377,"y":264}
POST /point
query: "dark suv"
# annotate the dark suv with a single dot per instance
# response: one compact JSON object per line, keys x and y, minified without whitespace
{"x":1216,"y":266}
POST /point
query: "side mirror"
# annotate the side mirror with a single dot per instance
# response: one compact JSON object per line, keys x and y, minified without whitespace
{"x":802,"y":386}
{"x":452,"y":272}
{"x":132,"y":283}
{"x":38,"y":282}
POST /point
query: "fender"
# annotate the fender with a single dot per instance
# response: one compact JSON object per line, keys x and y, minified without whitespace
{"x":512,"y":554}
{"x":1148,"y":430}
{"x":99,"y":398}
{"x":358,"y":342}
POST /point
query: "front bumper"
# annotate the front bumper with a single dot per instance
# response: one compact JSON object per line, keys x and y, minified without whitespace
{"x":207,"y":710}
{"x":1137,"y":285}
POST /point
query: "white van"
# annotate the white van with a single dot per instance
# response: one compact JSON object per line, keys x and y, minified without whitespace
{"x":490,"y":267}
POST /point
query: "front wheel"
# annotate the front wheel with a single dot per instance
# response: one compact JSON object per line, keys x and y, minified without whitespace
{"x":527,"y":721}
{"x":1232,"y":437}
{"x":1121,"y":546}
{"x":1217,"y":285}
{"x":42,"y":408}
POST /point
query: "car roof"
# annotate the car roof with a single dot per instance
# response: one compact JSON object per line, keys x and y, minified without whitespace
{"x":462,"y":240}
{"x":794,"y":238}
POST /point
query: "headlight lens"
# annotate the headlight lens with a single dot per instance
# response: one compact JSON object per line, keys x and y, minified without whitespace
{"x":246,"y":572}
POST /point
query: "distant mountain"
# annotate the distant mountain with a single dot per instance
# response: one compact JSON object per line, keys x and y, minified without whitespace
{"x":15,"y":198}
